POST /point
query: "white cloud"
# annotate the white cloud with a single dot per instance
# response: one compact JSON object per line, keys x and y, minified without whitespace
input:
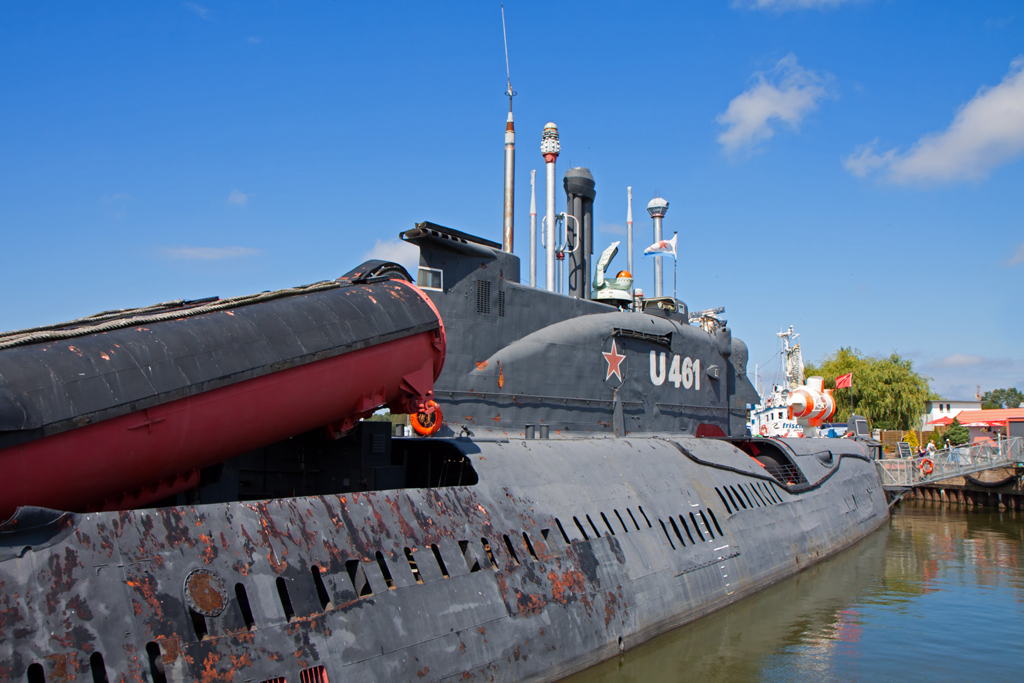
{"x":961,"y":360}
{"x":238,"y":198}
{"x":783,"y":5}
{"x":612,"y":229}
{"x":788,"y":92}
{"x":396,"y":250}
{"x":203,"y":12}
{"x":207,"y":253}
{"x":958,"y":360}
{"x":986,"y":132}
{"x":1018,"y":256}
{"x":254,"y":40}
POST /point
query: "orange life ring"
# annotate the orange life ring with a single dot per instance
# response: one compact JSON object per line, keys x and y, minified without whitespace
{"x":427,"y":422}
{"x":927,"y":467}
{"x":764,"y":430}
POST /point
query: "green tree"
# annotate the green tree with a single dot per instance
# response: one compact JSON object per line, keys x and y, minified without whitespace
{"x":886,"y":390}
{"x":1002,"y":398}
{"x":957,"y":434}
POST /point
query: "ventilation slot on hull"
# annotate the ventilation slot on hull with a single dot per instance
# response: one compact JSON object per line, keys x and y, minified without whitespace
{"x":561,"y":530}
{"x":413,"y":566}
{"x":624,"y":527}
{"x":243,"y":606}
{"x":633,"y":518}
{"x":529,"y":546}
{"x":676,"y":529}
{"x":198,"y":624}
{"x":686,"y":528}
{"x":321,"y":588}
{"x":511,"y":550}
{"x":715,"y":520}
{"x":440,"y":560}
{"x":286,"y":601}
{"x":98,"y":668}
{"x":483,"y":297}
{"x":156,"y":663}
{"x":663,"y":528}
{"x":358,"y":577}
{"x":490,"y":554}
{"x":469,"y":555}
{"x":385,"y":571}
{"x":582,"y":530}
{"x":744,"y":492}
{"x":728,"y":508}
{"x":739,"y":498}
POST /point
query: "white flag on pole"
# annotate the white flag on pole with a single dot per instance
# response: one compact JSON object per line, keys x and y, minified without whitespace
{"x":662,"y":247}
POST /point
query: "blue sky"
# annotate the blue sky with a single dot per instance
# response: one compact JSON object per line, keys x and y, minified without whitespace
{"x":850,"y":167}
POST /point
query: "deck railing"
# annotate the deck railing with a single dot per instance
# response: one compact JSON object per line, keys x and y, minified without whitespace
{"x":955,"y":461}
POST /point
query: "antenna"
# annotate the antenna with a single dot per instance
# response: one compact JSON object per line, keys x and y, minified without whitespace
{"x":510,"y":93}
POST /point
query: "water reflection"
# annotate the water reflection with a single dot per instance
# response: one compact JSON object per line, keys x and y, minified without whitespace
{"x":938,"y":595}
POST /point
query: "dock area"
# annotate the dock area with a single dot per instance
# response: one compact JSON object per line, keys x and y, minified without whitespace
{"x":989,"y":474}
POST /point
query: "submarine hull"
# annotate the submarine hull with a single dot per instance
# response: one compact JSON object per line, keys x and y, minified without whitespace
{"x":600,"y":545}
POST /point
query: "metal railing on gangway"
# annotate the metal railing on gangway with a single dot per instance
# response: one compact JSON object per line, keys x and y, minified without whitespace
{"x":955,"y":461}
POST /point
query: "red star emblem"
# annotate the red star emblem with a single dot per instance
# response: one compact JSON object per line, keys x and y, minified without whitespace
{"x":614,"y":359}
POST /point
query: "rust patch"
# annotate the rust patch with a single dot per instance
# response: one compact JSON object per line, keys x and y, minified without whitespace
{"x":65,"y":667}
{"x":529,"y":604}
{"x":61,"y":580}
{"x":423,"y":672}
{"x":481,"y":365}
{"x":170,"y":647}
{"x":80,"y":608}
{"x":566,"y":587}
{"x":205,"y":593}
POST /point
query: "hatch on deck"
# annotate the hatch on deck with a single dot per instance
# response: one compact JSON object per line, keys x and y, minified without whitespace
{"x":775,"y":460}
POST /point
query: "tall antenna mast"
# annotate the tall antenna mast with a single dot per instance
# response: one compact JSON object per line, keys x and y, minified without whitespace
{"x":510,"y":93}
{"x":510,"y":154}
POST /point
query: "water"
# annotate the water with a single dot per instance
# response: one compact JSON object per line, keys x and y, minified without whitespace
{"x":938,"y":595}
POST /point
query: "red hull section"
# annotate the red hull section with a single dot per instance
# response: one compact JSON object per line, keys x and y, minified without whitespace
{"x":145,"y":456}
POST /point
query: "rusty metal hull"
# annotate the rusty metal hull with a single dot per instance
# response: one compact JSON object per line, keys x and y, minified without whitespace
{"x":565,"y":552}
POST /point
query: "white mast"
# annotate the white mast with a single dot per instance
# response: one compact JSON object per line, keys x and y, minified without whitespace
{"x":533,"y":228}
{"x":629,"y":230}
{"x":550,"y":148}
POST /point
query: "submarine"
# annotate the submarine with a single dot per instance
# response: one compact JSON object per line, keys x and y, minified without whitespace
{"x":192,"y":492}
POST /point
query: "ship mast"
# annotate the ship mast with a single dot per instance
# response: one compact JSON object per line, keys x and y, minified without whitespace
{"x":794,"y":359}
{"x":510,"y":154}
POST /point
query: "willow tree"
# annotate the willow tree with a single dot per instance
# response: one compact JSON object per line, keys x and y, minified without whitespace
{"x":886,"y":390}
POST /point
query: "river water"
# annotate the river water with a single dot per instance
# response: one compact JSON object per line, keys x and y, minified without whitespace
{"x":937,"y":595}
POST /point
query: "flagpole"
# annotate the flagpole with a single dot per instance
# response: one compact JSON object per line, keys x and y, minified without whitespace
{"x":675,"y":260}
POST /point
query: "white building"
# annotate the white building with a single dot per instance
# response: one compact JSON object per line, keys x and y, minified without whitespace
{"x":944,"y":407}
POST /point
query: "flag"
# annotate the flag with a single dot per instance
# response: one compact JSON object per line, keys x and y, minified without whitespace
{"x":844,"y":381}
{"x":662,"y":247}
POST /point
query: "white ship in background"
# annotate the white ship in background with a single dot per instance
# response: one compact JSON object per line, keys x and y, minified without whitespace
{"x":797,"y":407}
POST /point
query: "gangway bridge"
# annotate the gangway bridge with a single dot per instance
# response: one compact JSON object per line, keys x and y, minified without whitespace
{"x":899,"y":475}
